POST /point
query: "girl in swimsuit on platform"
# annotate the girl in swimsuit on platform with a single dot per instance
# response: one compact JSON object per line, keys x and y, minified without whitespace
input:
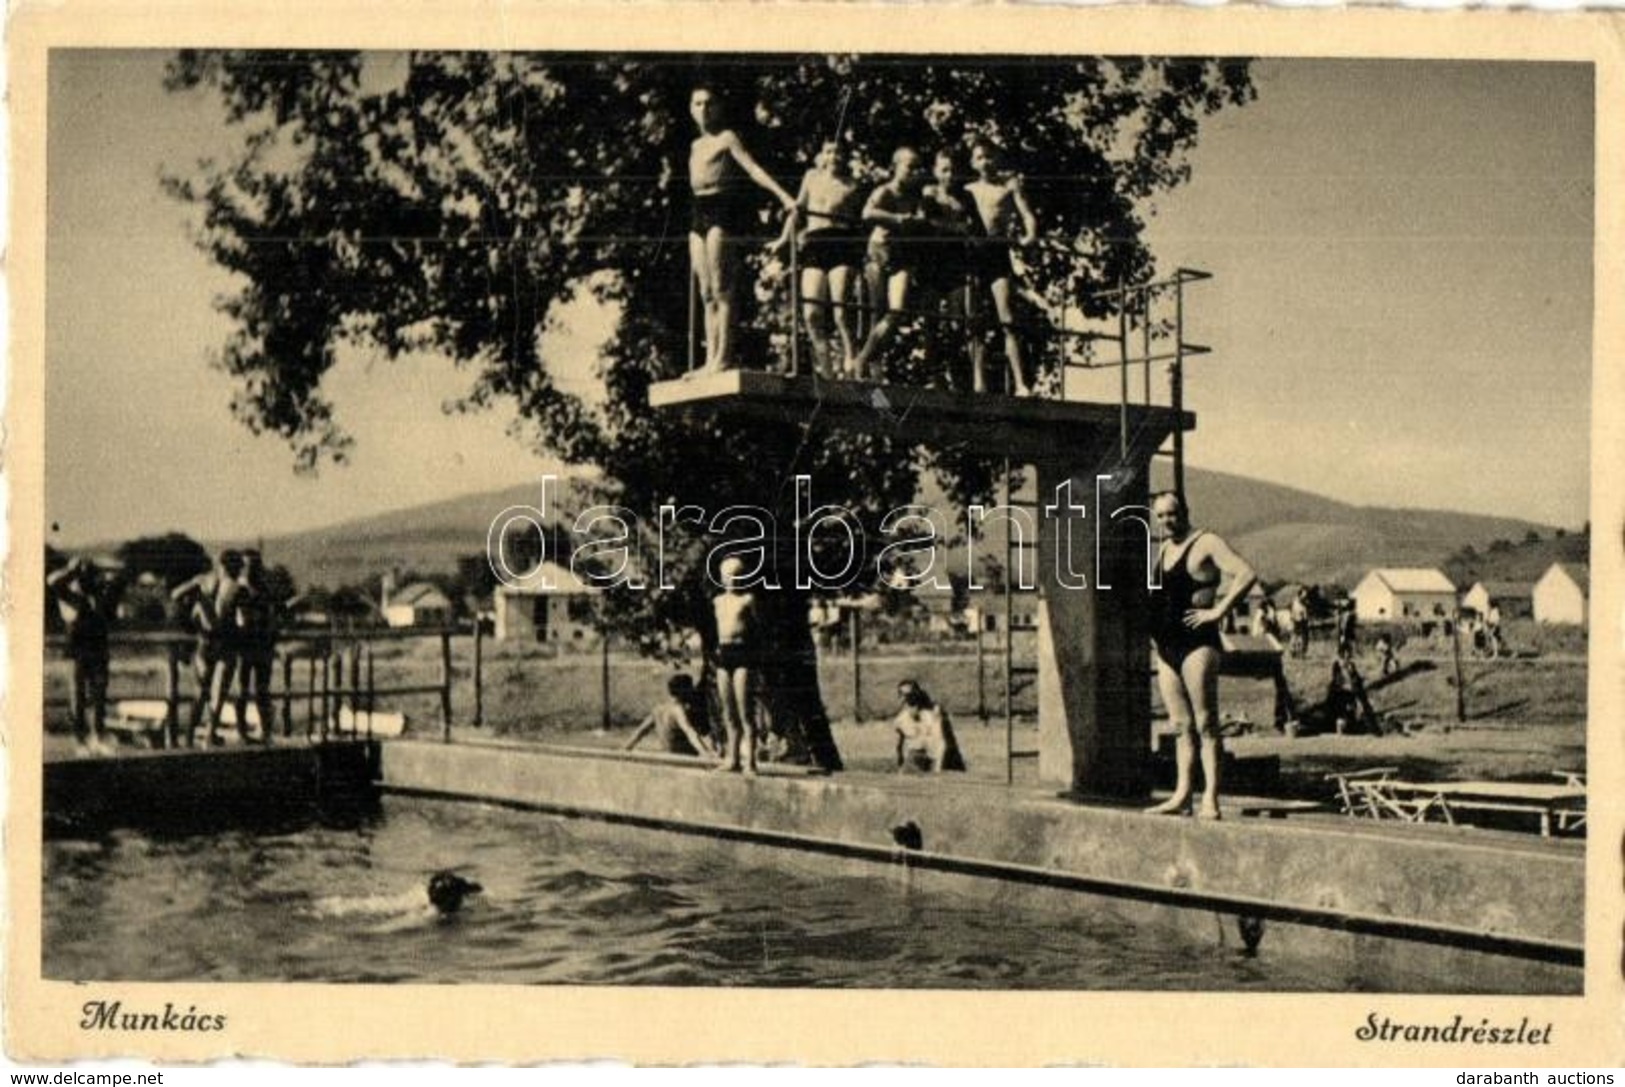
{"x":717,"y":162}
{"x":1185,"y":628}
{"x":1006,"y":218}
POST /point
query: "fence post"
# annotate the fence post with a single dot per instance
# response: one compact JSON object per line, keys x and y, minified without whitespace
{"x":479,"y":671}
{"x":981,"y":675}
{"x":445,"y":685}
{"x":287,"y":694}
{"x":855,"y":632}
{"x":172,"y":697}
{"x":372,"y":698}
{"x":355,"y":687}
{"x":1455,"y":653}
{"x":327,"y":690}
{"x":603,"y":678}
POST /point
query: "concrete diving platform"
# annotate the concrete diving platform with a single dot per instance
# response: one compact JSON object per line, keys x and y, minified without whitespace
{"x":1026,"y":429}
{"x":1391,"y":908}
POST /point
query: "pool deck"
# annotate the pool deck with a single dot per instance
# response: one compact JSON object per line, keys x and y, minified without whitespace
{"x":1410,"y":908}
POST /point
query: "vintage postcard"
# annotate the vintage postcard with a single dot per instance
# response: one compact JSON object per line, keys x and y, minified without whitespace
{"x":1020,"y":535}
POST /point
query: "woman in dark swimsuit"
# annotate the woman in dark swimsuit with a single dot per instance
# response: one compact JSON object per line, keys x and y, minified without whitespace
{"x":1185,"y":623}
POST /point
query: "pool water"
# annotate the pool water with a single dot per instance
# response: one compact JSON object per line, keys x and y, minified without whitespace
{"x":569,"y":903}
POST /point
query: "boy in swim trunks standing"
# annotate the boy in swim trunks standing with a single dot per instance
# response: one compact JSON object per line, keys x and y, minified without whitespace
{"x":898,"y":215}
{"x":1006,"y":217}
{"x":1185,"y":629}
{"x":738,"y":652}
{"x":717,"y":163}
{"x":831,"y":249}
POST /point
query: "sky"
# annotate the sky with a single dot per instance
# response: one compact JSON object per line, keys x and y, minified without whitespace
{"x":1401,"y":310}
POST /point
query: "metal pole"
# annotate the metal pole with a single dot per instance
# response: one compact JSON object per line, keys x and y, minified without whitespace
{"x":172,"y":697}
{"x":795,"y":305}
{"x":479,"y":672}
{"x":603,"y":680}
{"x":310,"y":693}
{"x":1455,"y":653}
{"x":445,"y":683}
{"x":1122,"y":375}
{"x":287,"y":694}
{"x":355,"y":686}
{"x":854,"y":626}
{"x":372,"y":699}
{"x":1009,"y":635}
{"x":1176,"y":383}
{"x":693,"y":299}
{"x":327,"y":684}
{"x":1145,"y":340}
{"x":981,"y":673}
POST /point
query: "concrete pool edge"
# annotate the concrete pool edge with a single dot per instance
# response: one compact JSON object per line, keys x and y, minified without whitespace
{"x":1501,"y":913}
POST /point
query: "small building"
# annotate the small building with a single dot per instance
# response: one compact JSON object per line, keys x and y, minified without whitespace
{"x":986,"y":611}
{"x":1561,"y":594}
{"x":1397,"y":594}
{"x":549,"y":606}
{"x":1515,"y":599}
{"x":417,"y":604}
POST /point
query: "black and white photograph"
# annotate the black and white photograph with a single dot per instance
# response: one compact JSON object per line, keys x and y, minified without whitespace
{"x":607,"y":516}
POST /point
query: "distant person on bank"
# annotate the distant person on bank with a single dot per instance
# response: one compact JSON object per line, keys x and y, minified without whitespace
{"x":86,"y":600}
{"x":1185,"y":624}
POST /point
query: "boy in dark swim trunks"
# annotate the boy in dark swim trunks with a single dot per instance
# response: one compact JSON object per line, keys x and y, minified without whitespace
{"x":1006,"y":217}
{"x":87,"y":601}
{"x":945,"y":277}
{"x":717,"y":164}
{"x":898,"y":216}
{"x":1185,"y":629}
{"x":830,"y":251}
{"x":738,"y":653}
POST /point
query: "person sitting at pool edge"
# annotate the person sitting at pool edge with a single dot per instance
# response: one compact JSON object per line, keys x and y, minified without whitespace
{"x":925,"y":735}
{"x":669,"y":721}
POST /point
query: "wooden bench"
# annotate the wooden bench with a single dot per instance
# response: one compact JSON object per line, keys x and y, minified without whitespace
{"x":1559,"y":807}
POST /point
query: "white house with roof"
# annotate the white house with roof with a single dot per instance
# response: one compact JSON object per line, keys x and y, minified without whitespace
{"x":1515,"y":599}
{"x":416,"y":604}
{"x":1397,"y":594}
{"x":1561,"y":593}
{"x":549,"y":605}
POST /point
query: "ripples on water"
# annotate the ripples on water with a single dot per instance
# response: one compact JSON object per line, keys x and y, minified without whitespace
{"x":565,"y":903}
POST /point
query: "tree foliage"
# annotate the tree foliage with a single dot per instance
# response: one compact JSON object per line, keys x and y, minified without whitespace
{"x":172,"y":558}
{"x":450,"y":202}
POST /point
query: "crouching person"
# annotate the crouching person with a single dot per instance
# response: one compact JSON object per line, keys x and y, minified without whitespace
{"x":925,"y":735}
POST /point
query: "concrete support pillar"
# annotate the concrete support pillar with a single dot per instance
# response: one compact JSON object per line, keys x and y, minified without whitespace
{"x":1094,"y":701}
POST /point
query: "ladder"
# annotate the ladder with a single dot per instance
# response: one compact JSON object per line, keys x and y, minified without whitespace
{"x":1143,"y":337}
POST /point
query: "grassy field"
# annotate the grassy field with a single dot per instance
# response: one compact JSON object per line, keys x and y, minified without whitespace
{"x":1525,"y":716}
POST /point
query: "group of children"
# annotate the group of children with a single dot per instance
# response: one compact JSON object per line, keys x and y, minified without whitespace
{"x":920,"y":239}
{"x":233,"y":615}
{"x":925,"y":736}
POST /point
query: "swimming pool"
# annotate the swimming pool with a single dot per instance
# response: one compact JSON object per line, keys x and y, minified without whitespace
{"x":571,"y":902}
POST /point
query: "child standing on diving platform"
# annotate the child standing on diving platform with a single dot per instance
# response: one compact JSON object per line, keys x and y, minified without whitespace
{"x":717,"y":163}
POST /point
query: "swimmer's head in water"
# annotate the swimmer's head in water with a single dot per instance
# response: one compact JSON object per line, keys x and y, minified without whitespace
{"x":447,"y":891}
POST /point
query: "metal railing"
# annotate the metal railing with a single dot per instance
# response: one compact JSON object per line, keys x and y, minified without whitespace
{"x":339,"y":672}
